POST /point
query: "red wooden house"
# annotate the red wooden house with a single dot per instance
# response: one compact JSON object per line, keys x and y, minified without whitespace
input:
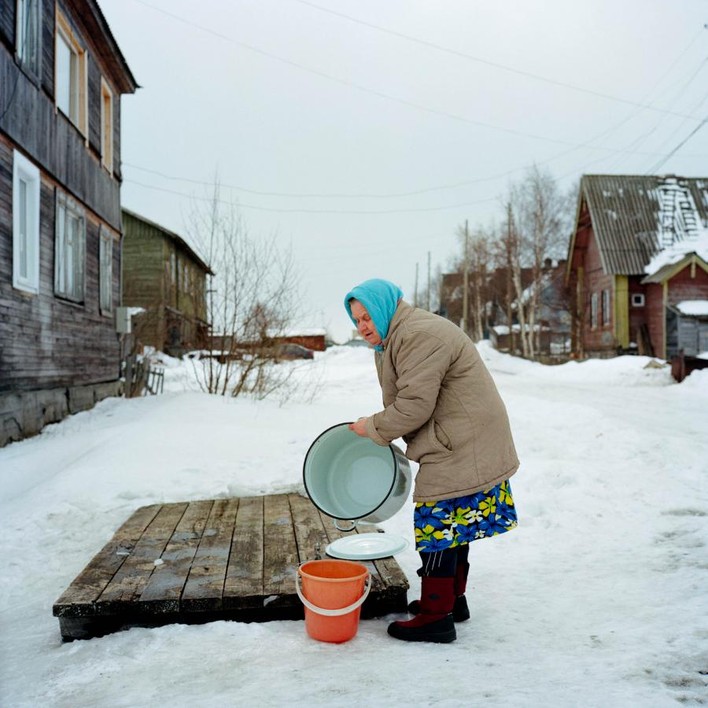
{"x":637,"y":266}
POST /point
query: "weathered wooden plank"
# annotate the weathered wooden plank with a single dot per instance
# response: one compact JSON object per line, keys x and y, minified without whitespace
{"x":310,"y":534}
{"x":244,"y":576}
{"x":129,"y":582}
{"x":164,"y":589}
{"x":390,"y":573}
{"x":280,"y":552}
{"x":93,"y":579}
{"x":205,"y":585}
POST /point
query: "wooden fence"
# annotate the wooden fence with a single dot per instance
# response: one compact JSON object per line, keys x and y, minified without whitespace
{"x":142,"y":377}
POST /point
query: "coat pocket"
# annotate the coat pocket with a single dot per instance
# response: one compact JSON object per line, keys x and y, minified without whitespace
{"x":430,"y":442}
{"x":440,"y":437}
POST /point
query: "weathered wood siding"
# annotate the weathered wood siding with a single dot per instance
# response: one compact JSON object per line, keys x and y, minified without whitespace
{"x":46,"y":341}
{"x":144,"y":265}
{"x":7,"y":23}
{"x":599,"y":340}
{"x":161,"y":276}
{"x":50,"y":139}
{"x":691,"y":283}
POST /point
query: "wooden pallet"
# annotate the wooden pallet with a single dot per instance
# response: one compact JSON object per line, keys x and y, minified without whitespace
{"x":201,"y":561}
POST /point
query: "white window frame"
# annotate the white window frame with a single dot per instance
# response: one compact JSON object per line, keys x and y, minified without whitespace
{"x":72,"y":100}
{"x":26,"y":186}
{"x":106,"y":125}
{"x":29,"y":35}
{"x":69,"y":249}
{"x":594,"y":301}
{"x":173,"y":268}
{"x":105,"y":270}
{"x":606,"y":319}
{"x":638,"y":300}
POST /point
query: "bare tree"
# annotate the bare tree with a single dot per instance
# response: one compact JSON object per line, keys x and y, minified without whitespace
{"x":537,"y":217}
{"x":250,"y":301}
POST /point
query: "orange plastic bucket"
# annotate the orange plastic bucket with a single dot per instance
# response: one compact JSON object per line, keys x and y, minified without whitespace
{"x":333,"y":592}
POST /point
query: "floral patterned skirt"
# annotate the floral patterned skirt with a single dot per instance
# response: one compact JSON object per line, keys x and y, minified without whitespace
{"x":455,"y":522}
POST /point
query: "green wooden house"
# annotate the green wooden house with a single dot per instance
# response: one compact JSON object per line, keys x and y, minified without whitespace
{"x":166,"y":279}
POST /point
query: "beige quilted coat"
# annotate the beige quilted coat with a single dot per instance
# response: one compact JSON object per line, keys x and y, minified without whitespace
{"x":440,"y":398}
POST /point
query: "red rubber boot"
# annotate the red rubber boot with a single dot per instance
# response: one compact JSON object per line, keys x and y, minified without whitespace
{"x":460,"y":609}
{"x":461,"y":612}
{"x":434,"y":623}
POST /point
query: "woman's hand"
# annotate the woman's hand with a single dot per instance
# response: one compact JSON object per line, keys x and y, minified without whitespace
{"x":359,"y":427}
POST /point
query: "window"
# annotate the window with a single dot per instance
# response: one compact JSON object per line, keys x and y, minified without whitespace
{"x":28,"y":34}
{"x":637,"y":299}
{"x":606,"y":308}
{"x":70,"y":80}
{"x":106,"y":126}
{"x":184,"y":285}
{"x":173,"y":269}
{"x":69,"y":249}
{"x":593,"y":310}
{"x":25,"y":224}
{"x":105,"y":259}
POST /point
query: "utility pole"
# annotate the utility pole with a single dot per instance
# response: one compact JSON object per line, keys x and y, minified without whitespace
{"x":466,"y":283}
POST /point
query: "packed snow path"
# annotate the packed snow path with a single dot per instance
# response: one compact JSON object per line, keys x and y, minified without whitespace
{"x":597,"y":599}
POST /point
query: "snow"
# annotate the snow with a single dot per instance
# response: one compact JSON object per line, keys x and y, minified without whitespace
{"x":674,"y":253}
{"x":693,"y":307}
{"x":598,"y":598}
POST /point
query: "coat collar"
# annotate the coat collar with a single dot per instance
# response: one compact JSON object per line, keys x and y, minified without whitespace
{"x":402,"y":313}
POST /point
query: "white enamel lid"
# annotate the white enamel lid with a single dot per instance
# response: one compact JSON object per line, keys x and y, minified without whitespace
{"x":366,"y":546}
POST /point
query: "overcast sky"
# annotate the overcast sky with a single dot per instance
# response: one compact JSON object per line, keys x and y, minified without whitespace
{"x":363,"y":132}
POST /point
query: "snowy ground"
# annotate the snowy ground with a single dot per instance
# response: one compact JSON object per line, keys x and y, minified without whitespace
{"x":599,"y":598}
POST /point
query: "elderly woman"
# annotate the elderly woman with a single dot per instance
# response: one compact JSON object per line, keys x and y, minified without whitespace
{"x":439,"y":397}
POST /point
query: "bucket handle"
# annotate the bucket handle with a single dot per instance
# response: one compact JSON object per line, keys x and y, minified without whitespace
{"x":336,"y":612}
{"x":337,"y":523}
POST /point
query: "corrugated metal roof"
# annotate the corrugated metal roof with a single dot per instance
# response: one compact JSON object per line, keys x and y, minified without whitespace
{"x":173,"y":237}
{"x":626,"y":212}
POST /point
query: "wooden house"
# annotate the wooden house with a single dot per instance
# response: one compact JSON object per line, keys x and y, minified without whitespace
{"x":637,"y":266}
{"x":498,"y":298}
{"x":164,"y":277}
{"x":308,"y":337}
{"x":495,"y":292}
{"x":62,"y":76}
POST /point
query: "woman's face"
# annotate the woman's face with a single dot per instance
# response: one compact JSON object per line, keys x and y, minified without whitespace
{"x":364,"y":325}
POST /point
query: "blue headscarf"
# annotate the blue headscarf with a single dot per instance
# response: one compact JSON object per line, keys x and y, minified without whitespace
{"x":380,"y":298}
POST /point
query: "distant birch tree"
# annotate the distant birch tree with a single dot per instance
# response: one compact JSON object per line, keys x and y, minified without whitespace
{"x":538,"y":223}
{"x":477,"y":256}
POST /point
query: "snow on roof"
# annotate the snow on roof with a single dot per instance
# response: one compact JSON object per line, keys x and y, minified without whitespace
{"x":303,"y":332}
{"x":679,"y":249}
{"x":693,"y":307}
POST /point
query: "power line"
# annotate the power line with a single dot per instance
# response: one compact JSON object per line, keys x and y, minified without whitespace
{"x":487,"y":62}
{"x":375,"y":92}
{"x":661,"y":162}
{"x":410,"y":193}
{"x":573,"y":146}
{"x":312,"y":211}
